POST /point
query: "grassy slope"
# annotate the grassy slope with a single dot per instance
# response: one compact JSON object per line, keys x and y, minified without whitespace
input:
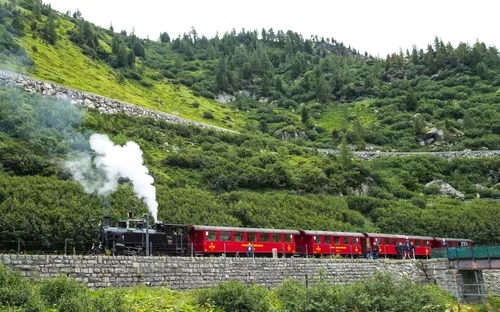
{"x":66,"y":65}
{"x":332,"y":117}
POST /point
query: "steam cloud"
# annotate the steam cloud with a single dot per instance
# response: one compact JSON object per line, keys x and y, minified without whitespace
{"x":112,"y":163}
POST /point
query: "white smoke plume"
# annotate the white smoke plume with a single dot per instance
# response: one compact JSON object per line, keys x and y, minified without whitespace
{"x":113,"y":163}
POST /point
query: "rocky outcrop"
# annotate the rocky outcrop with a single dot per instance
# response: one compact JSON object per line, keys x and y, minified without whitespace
{"x":292,"y":135}
{"x":446,"y":189}
{"x":88,"y":100}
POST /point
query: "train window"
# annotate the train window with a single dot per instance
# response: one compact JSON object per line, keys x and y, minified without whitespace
{"x":252,"y":237}
{"x":264,"y":237}
{"x":426,"y":243}
{"x":356,"y":240}
{"x":417,"y":242}
{"x":288,"y":238}
{"x":394,"y":241}
{"x":347,"y":240}
{"x":336,"y":240}
{"x":317,"y":239}
{"x":225,"y":236}
{"x":276,"y":238}
{"x":238,"y":237}
{"x":463,"y":244}
{"x":327,"y":240}
{"x":122,"y":224}
{"x":387,"y":241}
{"x":211,"y":236}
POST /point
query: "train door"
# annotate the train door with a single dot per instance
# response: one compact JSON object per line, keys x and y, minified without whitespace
{"x":364,"y":244}
{"x":178,"y":239}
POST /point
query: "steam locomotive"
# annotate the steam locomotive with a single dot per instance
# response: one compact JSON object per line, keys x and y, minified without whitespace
{"x":134,"y":237}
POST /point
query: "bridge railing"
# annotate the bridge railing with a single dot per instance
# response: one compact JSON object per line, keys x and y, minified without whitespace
{"x":471,"y":252}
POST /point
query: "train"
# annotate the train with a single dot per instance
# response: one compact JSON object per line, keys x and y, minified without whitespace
{"x":131,"y":237}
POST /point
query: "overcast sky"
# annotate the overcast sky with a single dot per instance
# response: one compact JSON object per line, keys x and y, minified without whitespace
{"x":376,"y":26}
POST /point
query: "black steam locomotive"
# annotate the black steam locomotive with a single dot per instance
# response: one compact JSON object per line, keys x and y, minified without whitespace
{"x":130,"y":237}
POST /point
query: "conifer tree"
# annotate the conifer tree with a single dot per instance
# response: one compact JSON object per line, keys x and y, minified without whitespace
{"x":122,"y":55}
{"x":138,"y":48}
{"x":304,"y":114}
{"x":115,"y":44}
{"x":468,"y":122}
{"x":164,"y":37}
{"x":37,"y":9}
{"x":131,"y":58}
{"x":50,"y":29}
{"x":346,"y":154}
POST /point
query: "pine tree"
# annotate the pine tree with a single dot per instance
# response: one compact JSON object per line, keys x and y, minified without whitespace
{"x":115,"y":44}
{"x":17,"y":23}
{"x":468,"y":121}
{"x":37,"y":9}
{"x":359,"y":134}
{"x":346,"y":154}
{"x":411,"y":102}
{"x":131,"y":58}
{"x":322,"y":89}
{"x":164,"y":37}
{"x":138,"y":48}
{"x":221,"y":75}
{"x":50,"y":29}
{"x":122,"y":55}
{"x":304,"y":114}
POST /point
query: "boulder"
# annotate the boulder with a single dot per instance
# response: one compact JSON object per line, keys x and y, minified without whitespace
{"x":446,"y":189}
{"x":439,"y":135}
{"x":430,"y":134}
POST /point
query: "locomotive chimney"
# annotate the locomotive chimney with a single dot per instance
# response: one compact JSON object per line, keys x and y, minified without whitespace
{"x":106,"y":221}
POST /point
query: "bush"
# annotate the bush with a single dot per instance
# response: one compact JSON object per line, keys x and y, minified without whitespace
{"x":292,"y":296}
{"x":208,"y":115}
{"x":17,"y":292}
{"x":65,"y":293}
{"x":235,"y":296}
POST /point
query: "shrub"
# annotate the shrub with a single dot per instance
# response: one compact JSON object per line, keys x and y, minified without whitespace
{"x":17,"y":292}
{"x":66,"y":293}
{"x":292,"y":296}
{"x":208,"y":115}
{"x":235,"y":296}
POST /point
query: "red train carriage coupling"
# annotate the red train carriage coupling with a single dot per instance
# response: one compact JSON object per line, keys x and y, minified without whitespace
{"x":329,"y":243}
{"x":234,"y":240}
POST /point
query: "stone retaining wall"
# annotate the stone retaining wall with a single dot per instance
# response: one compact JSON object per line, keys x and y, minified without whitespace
{"x":89,"y":100}
{"x":182,"y":273}
{"x":190,"y":273}
{"x":492,"y":281}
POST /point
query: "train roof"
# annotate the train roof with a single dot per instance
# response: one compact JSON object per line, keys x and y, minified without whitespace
{"x":239,"y":229}
{"x":399,"y":236}
{"x":307,"y":232}
{"x":454,"y":239}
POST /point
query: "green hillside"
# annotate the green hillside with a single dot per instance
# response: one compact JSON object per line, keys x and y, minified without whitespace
{"x":291,"y":95}
{"x":313,"y":91}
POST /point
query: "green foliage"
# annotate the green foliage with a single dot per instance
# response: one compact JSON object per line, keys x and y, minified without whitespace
{"x":382,"y":292}
{"x":50,"y":33}
{"x":17,"y":292}
{"x":235,"y":296}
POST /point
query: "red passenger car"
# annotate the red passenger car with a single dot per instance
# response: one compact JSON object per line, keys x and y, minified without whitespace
{"x":451,"y":242}
{"x":387,"y":243}
{"x":234,"y":240}
{"x":329,"y":243}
